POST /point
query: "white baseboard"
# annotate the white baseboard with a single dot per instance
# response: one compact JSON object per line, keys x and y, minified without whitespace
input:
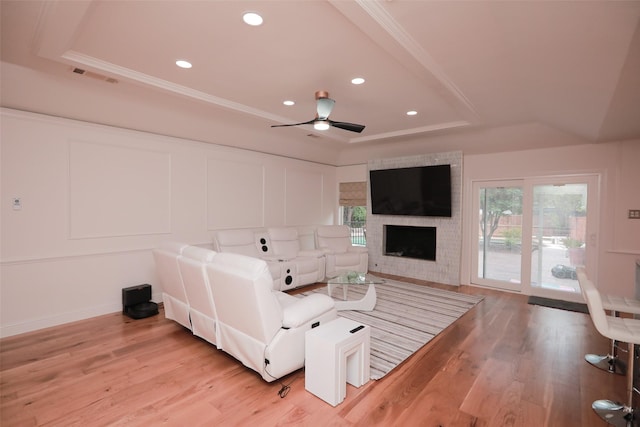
{"x":62,"y":318}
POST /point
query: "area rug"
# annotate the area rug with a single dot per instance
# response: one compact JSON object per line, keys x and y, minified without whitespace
{"x":406,"y":317}
{"x":562,"y":305}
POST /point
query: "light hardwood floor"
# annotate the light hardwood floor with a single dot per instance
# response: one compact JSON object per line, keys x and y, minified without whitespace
{"x":504,"y":363}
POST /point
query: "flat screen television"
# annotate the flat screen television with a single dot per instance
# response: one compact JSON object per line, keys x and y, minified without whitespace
{"x":414,"y":191}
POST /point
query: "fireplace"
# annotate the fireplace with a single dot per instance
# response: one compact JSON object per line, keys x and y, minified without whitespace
{"x":446,"y":268}
{"x":410,"y":242}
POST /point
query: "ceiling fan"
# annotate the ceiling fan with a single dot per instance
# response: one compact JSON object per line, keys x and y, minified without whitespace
{"x":324,"y":105}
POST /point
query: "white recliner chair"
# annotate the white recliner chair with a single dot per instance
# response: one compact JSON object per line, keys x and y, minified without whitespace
{"x":246,"y":242}
{"x":300,"y":267}
{"x":261,"y":327}
{"x":341,"y":255}
{"x":174,"y":298}
{"x":202,"y":310}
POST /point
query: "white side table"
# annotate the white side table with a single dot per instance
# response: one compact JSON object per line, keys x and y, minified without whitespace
{"x":337,"y":353}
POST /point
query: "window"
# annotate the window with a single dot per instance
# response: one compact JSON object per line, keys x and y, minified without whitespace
{"x":356,"y":218}
{"x":353,"y":210}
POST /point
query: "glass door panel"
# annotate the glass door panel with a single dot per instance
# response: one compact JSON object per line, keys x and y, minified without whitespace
{"x":559,"y":235}
{"x":499,"y":235}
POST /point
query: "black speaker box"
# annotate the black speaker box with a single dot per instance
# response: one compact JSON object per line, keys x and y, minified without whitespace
{"x":136,"y":302}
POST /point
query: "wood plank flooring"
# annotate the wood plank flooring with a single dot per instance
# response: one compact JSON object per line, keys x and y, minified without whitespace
{"x":504,"y":363}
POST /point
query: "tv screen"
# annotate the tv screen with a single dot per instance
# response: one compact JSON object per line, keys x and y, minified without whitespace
{"x":415,"y":191}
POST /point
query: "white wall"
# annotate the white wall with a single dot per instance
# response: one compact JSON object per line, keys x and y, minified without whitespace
{"x":618,"y":164}
{"x":95,"y":200}
{"x":352,"y":173}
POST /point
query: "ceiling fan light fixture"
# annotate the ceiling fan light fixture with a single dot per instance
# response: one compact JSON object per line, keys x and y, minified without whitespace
{"x":252,"y":18}
{"x":321,"y":125}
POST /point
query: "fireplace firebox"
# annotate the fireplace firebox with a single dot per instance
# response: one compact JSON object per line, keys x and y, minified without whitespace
{"x":410,"y":241}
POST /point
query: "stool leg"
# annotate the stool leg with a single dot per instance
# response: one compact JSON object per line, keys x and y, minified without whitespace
{"x":610,"y":362}
{"x":617,"y":414}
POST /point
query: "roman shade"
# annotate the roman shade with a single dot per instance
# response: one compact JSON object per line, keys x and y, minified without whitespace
{"x":353,"y":193}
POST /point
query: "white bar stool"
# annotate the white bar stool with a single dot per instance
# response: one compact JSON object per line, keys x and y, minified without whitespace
{"x":619,"y":329}
{"x":611,"y":362}
{"x":336,"y":353}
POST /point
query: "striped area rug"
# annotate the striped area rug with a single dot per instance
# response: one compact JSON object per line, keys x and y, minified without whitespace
{"x":405,"y":318}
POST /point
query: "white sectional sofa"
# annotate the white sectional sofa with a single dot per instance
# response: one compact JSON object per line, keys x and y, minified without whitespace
{"x":304,"y":266}
{"x":340,"y":254}
{"x":176,"y":305}
{"x":296,"y":256}
{"x":228,"y":299}
{"x":249,"y":242}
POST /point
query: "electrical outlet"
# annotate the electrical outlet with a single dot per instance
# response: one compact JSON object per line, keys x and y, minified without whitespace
{"x":634,"y":213}
{"x":16,"y":203}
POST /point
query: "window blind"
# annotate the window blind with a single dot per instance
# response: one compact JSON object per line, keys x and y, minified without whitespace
{"x":353,"y":193}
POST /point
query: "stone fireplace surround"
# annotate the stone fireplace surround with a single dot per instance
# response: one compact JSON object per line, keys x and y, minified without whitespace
{"x":446,"y":268}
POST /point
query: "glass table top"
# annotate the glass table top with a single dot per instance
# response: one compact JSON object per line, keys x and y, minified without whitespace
{"x":354,"y":278}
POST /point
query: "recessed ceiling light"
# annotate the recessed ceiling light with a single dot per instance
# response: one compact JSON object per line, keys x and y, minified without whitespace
{"x":357,"y":81}
{"x":183,"y":64}
{"x":252,"y":18}
{"x":412,"y":113}
{"x":289,"y":103}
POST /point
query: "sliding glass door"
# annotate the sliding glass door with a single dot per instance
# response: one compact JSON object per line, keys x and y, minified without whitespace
{"x":499,"y":234}
{"x":563,"y":220}
{"x":531,"y":234}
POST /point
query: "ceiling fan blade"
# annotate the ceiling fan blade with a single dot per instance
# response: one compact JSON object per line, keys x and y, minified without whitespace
{"x":324,"y":107}
{"x":347,"y":126}
{"x":294,"y":124}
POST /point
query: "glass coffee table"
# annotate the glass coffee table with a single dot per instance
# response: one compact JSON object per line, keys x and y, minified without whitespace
{"x":366,"y":303}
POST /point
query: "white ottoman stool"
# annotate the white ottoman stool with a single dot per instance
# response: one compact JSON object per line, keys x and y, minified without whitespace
{"x":336,"y":353}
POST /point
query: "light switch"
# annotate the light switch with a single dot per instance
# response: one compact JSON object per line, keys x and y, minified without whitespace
{"x":16,"y":203}
{"x":634,"y":213}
